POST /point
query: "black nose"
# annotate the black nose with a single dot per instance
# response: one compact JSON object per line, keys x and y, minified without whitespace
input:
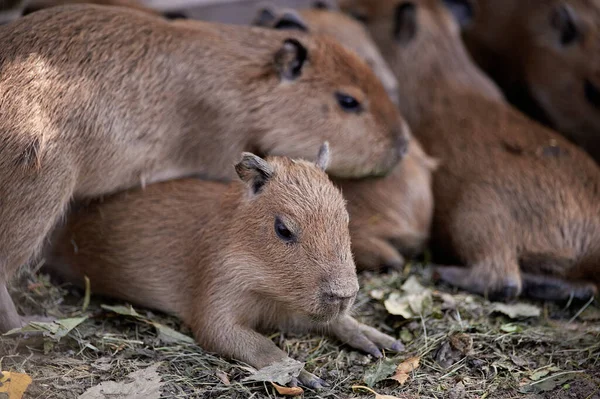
{"x":401,"y":144}
{"x":334,"y":298}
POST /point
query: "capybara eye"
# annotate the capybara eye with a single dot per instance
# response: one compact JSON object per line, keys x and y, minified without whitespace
{"x":563,"y":20}
{"x":283,"y":232}
{"x":348,"y":103}
{"x":592,"y":94}
{"x":360,"y":17}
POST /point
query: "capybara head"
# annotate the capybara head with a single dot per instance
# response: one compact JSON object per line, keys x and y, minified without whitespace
{"x":323,"y":87}
{"x":560,"y":51}
{"x":293,"y":229}
{"x":423,"y":36}
{"x":324,"y":19}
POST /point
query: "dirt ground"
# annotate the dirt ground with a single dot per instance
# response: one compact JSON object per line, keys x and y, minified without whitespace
{"x":466,"y":347}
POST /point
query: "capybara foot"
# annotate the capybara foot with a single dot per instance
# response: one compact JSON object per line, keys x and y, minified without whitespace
{"x":375,"y":254}
{"x":363,"y":337}
{"x":9,"y":318}
{"x":475,"y":279}
{"x":550,"y":288}
{"x":309,"y":380}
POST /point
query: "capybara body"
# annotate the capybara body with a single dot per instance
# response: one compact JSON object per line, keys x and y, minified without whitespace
{"x":36,"y":5}
{"x":545,"y":55}
{"x":389,"y":216}
{"x":230,"y":259}
{"x":516,"y":203}
{"x":87,"y":111}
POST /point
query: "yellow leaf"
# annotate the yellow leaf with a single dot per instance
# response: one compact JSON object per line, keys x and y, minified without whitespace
{"x":377,"y":396}
{"x":405,"y":368}
{"x":14,"y":384}
{"x":288,"y":391}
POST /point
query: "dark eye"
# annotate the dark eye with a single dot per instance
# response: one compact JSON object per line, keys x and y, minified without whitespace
{"x":563,"y":19}
{"x":360,"y":17}
{"x":348,"y":103}
{"x":283,"y":232}
{"x":592,"y":94}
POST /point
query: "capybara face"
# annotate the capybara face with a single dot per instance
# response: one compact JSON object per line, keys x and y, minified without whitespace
{"x":327,"y":89}
{"x":297,"y":231}
{"x":562,"y":65}
{"x":349,"y":32}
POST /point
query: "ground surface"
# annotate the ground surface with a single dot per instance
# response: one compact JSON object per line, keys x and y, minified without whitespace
{"x":466,"y":347}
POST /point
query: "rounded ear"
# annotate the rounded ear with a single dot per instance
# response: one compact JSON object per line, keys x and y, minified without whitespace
{"x":463,"y":11}
{"x":290,"y":59}
{"x":291,"y":20}
{"x":405,"y":22}
{"x":265,"y":17}
{"x":326,"y":5}
{"x":324,"y":157}
{"x":175,"y":15}
{"x":564,"y":20}
{"x":254,"y":171}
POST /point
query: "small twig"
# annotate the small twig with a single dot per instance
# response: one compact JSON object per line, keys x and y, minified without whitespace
{"x":581,"y":310}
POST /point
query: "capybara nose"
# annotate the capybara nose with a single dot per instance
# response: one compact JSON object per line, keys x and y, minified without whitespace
{"x":336,"y":298}
{"x":401,"y":141}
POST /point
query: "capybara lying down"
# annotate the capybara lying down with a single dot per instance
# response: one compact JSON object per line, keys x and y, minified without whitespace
{"x":271,"y":251}
{"x":515,"y":203}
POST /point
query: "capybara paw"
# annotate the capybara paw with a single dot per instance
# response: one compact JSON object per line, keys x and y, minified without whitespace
{"x":508,"y":289}
{"x":474,"y":279}
{"x":376,"y":254}
{"x":555,"y":289}
{"x":365,"y":338}
{"x":310,"y":380}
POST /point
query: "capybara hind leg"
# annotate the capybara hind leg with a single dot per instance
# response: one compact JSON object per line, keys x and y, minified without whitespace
{"x":551,"y":288}
{"x":483,"y":278}
{"x":32,"y":199}
{"x":374,"y":254}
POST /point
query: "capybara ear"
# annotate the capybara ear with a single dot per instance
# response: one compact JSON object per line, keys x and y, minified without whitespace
{"x":324,"y":156}
{"x":266,"y":17}
{"x":254,"y":171}
{"x":175,"y":15}
{"x":290,"y":59}
{"x":564,"y":19}
{"x":463,"y":11}
{"x":405,"y":22}
{"x":325,"y":5}
{"x":290,"y":19}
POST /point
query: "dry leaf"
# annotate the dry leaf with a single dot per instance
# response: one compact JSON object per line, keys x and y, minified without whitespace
{"x":377,"y":396}
{"x":14,"y":384}
{"x":405,"y":368}
{"x":412,"y":286}
{"x":281,"y":372}
{"x":517,"y":310}
{"x":288,"y":391}
{"x":56,"y":329}
{"x":379,"y":372}
{"x":221,"y":375}
{"x":165,"y":334}
{"x":141,"y":384}
{"x":409,"y":305}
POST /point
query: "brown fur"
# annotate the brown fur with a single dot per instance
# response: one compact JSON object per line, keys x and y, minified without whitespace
{"x":386,"y":214}
{"x":88,"y":111}
{"x":36,"y":5}
{"x":518,"y":44}
{"x":209,"y":253}
{"x":510,"y":195}
{"x":390,"y":217}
